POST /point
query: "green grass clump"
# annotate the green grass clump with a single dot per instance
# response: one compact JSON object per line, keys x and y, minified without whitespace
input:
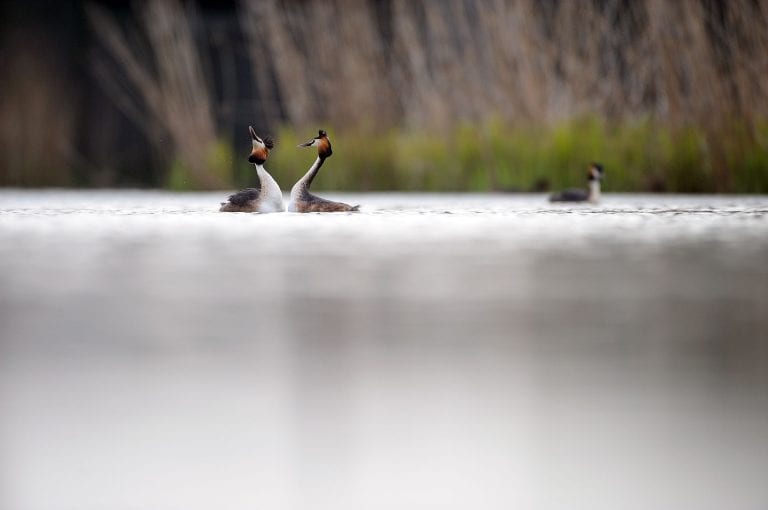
{"x":638,"y":156}
{"x":749,"y":156}
{"x":217,"y":171}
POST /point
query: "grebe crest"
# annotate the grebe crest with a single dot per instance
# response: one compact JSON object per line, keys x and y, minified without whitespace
{"x":322,"y":143}
{"x":268,"y":197}
{"x":596,"y":172}
{"x":261,"y":147}
{"x":304,"y":201}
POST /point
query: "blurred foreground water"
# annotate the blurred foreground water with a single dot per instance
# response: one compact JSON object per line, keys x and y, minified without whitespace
{"x":434,"y":351}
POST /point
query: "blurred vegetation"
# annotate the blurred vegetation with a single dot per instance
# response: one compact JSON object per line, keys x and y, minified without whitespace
{"x":217,"y":161}
{"x":433,"y":95}
{"x":638,"y":156}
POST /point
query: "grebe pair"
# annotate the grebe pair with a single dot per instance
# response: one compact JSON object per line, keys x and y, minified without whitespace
{"x":269,"y":198}
{"x":594,"y":176}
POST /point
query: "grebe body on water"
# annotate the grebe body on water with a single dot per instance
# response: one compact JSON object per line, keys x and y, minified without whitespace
{"x":592,"y":194}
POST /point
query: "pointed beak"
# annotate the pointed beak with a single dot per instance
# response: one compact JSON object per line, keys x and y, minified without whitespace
{"x":307,"y":144}
{"x":253,"y":133}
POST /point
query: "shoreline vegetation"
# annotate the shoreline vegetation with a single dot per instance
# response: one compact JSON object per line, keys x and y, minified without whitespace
{"x":638,"y":156}
{"x":452,"y":95}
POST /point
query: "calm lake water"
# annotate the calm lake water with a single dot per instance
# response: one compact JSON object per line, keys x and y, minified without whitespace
{"x":433,"y":351}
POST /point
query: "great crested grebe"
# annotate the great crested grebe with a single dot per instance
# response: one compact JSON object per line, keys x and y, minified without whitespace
{"x":301,"y":199}
{"x":268,"y":197}
{"x":595,"y":175}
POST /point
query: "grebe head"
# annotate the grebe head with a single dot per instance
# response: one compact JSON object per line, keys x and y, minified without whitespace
{"x":261,"y":148}
{"x":596,"y":172}
{"x":322,"y":143}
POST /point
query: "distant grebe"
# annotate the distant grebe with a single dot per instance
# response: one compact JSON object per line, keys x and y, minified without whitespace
{"x":301,"y":199}
{"x":592,"y":195}
{"x":268,"y":197}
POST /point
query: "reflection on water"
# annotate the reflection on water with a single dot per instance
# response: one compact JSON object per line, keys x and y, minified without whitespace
{"x":433,"y":351}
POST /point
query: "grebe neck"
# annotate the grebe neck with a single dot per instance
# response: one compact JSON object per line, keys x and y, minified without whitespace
{"x":306,"y":181}
{"x":594,"y":190}
{"x":270,"y":189}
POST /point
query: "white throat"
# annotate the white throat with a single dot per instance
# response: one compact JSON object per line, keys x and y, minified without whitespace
{"x":270,"y":191}
{"x":594,"y":190}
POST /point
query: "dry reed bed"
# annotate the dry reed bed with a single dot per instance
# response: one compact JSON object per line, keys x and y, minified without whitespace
{"x":677,"y":89}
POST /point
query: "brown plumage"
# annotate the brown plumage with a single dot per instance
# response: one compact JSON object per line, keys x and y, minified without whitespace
{"x":324,"y":146}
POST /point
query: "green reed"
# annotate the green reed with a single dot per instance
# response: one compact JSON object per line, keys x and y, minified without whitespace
{"x":638,"y":156}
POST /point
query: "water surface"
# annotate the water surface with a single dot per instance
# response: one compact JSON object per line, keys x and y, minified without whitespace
{"x":433,"y":351}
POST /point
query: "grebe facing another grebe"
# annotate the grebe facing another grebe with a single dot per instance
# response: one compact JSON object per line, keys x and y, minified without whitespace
{"x":301,"y":199}
{"x":268,"y":197}
{"x":595,"y":175}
